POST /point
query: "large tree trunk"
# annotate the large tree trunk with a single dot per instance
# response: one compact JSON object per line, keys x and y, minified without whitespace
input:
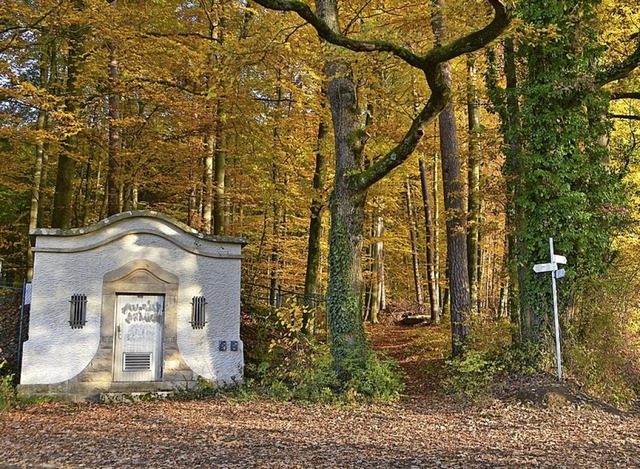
{"x":455,"y":206}
{"x":346,"y":205}
{"x":432,"y":280}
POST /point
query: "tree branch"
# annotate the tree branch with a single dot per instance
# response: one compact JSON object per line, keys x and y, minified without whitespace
{"x":476,"y":40}
{"x":628,"y":95}
{"x":197,"y":35}
{"x":624,"y":116}
{"x":620,"y":70}
{"x":430,"y":64}
{"x":469,"y":43}
{"x":440,"y":96}
{"x":326,"y":33}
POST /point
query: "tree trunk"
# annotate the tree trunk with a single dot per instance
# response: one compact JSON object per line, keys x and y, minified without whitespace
{"x":220,"y":170}
{"x":63,"y":196}
{"x":432,"y":280}
{"x":442,"y":289}
{"x":511,"y":123}
{"x":318,"y":205}
{"x":473,"y":234}
{"x":207,"y":196}
{"x":35,"y":189}
{"x":115,"y":137}
{"x":377,"y":270}
{"x":413,"y":236}
{"x":455,"y":206}
{"x":346,"y":205}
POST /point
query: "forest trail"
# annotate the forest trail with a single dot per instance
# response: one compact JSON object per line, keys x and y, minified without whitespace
{"x":420,"y":352}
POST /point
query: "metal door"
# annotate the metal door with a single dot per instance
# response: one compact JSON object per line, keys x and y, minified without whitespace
{"x":139,"y":331}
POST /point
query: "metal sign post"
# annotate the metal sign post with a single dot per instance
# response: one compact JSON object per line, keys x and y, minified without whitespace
{"x":555,"y":274}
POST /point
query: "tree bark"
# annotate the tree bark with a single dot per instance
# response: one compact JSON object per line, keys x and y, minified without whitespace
{"x":432,"y":280}
{"x":318,"y":205}
{"x":455,"y":206}
{"x":413,"y":236}
{"x":63,"y":196}
{"x":344,"y":293}
{"x":473,"y":181}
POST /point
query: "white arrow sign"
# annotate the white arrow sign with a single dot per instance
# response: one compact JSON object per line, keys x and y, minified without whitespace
{"x":545,"y":267}
{"x":558,"y":259}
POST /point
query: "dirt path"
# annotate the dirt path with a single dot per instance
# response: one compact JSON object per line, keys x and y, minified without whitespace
{"x":418,"y":432}
{"x":419,"y":351}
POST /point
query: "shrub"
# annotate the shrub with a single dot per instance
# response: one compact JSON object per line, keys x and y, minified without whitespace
{"x":602,"y":350}
{"x":283,"y":363}
{"x":7,"y":388}
{"x":473,"y":374}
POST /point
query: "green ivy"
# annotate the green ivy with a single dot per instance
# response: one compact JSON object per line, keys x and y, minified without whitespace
{"x":560,"y":183}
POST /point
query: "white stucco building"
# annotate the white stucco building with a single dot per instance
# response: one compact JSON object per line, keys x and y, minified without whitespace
{"x":135,"y":303}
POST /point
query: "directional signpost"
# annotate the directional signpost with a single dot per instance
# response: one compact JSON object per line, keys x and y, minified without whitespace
{"x":555,"y":274}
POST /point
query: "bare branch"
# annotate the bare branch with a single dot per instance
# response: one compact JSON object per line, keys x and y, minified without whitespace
{"x":625,"y":116}
{"x":197,"y":35}
{"x":629,"y":95}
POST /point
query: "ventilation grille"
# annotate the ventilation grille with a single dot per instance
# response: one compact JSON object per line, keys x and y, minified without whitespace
{"x":198,"y":314}
{"x":137,"y":361}
{"x":78,"y":311}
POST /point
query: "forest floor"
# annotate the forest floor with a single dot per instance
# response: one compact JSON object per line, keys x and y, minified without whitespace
{"x":534,"y":423}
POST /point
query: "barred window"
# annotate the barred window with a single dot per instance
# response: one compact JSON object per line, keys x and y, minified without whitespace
{"x":198,"y":312}
{"x":78,"y":311}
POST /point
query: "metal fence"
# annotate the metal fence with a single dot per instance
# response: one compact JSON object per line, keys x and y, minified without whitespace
{"x":278,"y":297}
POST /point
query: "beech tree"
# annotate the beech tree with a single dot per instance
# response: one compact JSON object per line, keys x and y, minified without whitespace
{"x":352,"y":179}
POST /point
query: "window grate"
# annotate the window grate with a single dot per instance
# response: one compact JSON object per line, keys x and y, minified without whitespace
{"x":198,"y":312}
{"x":134,"y":361}
{"x":78,"y":311}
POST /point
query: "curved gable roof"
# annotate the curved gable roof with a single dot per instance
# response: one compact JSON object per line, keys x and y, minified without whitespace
{"x":122,"y":224}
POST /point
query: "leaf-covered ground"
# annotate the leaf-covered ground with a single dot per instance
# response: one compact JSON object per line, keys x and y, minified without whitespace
{"x":422,"y":430}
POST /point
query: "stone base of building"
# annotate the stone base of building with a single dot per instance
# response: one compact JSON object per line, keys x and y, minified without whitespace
{"x":76,"y":391}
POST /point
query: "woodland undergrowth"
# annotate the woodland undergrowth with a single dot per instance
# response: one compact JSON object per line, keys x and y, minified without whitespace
{"x":285,"y":364}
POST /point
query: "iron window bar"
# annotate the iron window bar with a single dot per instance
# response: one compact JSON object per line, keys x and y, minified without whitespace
{"x":198,"y":312}
{"x":78,"y":311}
